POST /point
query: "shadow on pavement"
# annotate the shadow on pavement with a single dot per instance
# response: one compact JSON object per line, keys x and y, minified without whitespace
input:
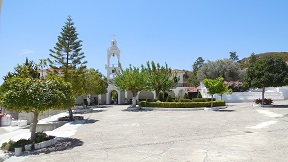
{"x":138,"y":110}
{"x":226,"y":110}
{"x":90,"y":121}
{"x":278,"y":106}
{"x":61,"y":145}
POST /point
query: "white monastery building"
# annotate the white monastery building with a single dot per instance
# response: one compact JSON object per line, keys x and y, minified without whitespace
{"x":126,"y":97}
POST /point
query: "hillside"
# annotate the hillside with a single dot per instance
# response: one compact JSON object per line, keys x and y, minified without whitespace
{"x":245,"y":61}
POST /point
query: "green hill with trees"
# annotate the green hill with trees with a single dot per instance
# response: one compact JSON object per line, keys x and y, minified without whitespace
{"x":245,"y":61}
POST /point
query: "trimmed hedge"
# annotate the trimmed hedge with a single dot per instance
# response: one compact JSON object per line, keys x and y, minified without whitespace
{"x":181,"y":104}
{"x":202,"y":99}
{"x":185,"y":100}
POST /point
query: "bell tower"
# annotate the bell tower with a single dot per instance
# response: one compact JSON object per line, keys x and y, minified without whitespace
{"x":112,"y":51}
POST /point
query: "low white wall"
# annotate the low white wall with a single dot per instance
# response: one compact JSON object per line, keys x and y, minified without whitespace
{"x":249,"y":96}
{"x":45,"y":114}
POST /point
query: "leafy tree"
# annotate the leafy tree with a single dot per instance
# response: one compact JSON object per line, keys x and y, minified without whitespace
{"x":67,"y":55}
{"x":95,"y":82}
{"x":197,"y":64}
{"x":28,"y":94}
{"x":226,"y":68}
{"x":215,"y":86}
{"x":130,"y":79}
{"x":169,"y":98}
{"x":224,"y":89}
{"x":28,"y":69}
{"x":234,"y":56}
{"x":253,"y":58}
{"x":190,"y":78}
{"x":160,"y":96}
{"x":89,"y":82}
{"x":158,"y":78}
{"x":268,"y":72}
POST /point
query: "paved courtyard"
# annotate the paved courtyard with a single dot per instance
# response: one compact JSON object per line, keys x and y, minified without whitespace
{"x":239,"y":133}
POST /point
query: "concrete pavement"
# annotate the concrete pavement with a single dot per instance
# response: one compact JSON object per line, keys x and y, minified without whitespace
{"x":239,"y":133}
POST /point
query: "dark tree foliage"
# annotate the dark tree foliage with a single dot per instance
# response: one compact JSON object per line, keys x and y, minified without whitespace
{"x":197,"y":64}
{"x":234,"y":56}
{"x":268,"y":72}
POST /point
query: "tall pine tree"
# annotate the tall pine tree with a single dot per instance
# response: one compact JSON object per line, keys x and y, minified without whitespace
{"x":67,"y":55}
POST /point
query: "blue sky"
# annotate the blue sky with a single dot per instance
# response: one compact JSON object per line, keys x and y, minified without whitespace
{"x":176,"y":32}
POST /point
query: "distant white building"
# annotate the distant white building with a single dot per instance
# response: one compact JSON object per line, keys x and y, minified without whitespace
{"x":126,"y":97}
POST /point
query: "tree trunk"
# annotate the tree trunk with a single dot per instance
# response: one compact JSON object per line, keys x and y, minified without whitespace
{"x":221,"y":96}
{"x":70,"y":114}
{"x":212,"y":101}
{"x":33,"y":130}
{"x":134,"y":99}
{"x":263,"y":91}
{"x":83,"y":102}
{"x":157,"y":92}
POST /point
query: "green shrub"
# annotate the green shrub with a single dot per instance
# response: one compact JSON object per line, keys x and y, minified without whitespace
{"x":186,"y":96}
{"x":181,"y":104}
{"x":21,"y":143}
{"x":160,"y":96}
{"x":151,"y":100}
{"x":8,"y":146}
{"x":185,"y":100}
{"x":177,"y":98}
{"x":169,"y":98}
{"x":40,"y":137}
{"x":199,"y":94}
{"x":202,"y":99}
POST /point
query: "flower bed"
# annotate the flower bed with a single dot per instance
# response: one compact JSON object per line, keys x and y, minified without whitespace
{"x":267,"y":101}
{"x":66,"y":118}
{"x":42,"y":140}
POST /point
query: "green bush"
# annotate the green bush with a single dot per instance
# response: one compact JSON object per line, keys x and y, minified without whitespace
{"x":199,"y":95}
{"x":151,"y":100}
{"x":202,"y":99}
{"x":186,"y":96}
{"x":40,"y":137}
{"x":185,"y":100}
{"x":160,"y":96}
{"x":21,"y":143}
{"x":169,"y":98}
{"x":182,"y":104}
{"x":8,"y":146}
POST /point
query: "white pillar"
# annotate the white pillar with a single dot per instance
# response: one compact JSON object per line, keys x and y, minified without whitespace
{"x":107,"y":98}
{"x":119,"y":97}
{"x":155,"y":96}
{"x":99,"y":99}
{"x":126,"y":97}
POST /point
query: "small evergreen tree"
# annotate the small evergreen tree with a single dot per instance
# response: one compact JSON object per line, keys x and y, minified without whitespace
{"x":199,"y":95}
{"x":160,"y":96}
{"x":186,"y":96}
{"x":169,"y":98}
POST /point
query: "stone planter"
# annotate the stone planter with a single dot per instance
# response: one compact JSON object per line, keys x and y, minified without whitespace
{"x":18,"y":151}
{"x":37,"y":146}
{"x":43,"y":144}
{"x":28,"y":147}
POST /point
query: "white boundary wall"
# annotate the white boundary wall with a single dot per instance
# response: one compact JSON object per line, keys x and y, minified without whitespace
{"x":275,"y":93}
